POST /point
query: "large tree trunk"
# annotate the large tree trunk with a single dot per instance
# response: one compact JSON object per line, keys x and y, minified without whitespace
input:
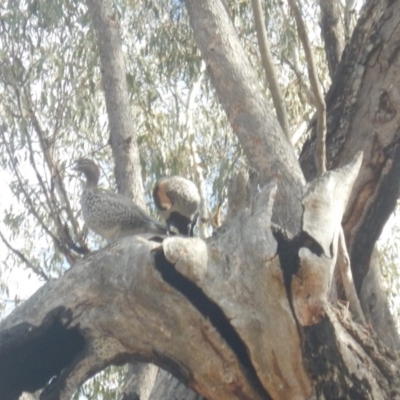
{"x":245,"y":314}
{"x":362,"y":116}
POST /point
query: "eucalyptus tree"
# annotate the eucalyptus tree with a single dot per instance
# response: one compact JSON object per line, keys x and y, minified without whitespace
{"x":258,"y":309}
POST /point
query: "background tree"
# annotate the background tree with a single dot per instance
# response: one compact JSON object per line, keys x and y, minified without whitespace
{"x":223,"y":319}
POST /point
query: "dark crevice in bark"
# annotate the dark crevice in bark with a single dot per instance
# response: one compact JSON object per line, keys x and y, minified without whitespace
{"x":211,"y":312}
{"x":288,"y":251}
{"x":326,"y":367}
{"x":30,"y":357}
{"x":376,"y":218}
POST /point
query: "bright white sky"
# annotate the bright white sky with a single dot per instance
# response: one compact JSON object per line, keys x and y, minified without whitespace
{"x":20,"y":281}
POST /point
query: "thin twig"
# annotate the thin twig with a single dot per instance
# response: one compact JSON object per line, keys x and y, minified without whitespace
{"x":21,"y":185}
{"x":295,"y":56}
{"x":301,"y":81}
{"x":343,"y":262}
{"x":320,"y":154}
{"x":36,"y":270}
{"x":56,"y":181}
{"x":3,"y":300}
{"x":43,"y":186}
{"x":32,"y":209}
{"x":269,"y":68}
{"x":54,"y":171}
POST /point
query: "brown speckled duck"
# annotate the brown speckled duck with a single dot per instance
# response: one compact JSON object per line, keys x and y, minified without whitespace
{"x":109,"y":214}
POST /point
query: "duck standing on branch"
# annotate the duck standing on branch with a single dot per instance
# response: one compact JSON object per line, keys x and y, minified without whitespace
{"x":109,"y":214}
{"x":177,"y":200}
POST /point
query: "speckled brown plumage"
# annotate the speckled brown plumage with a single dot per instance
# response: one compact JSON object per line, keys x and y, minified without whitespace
{"x":111,"y":215}
{"x":177,"y":200}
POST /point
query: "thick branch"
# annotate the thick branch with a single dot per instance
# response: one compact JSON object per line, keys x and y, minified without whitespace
{"x":375,"y":305}
{"x":362,"y":115}
{"x":347,"y":280}
{"x":332,"y":32}
{"x":324,"y":203}
{"x":122,"y":127}
{"x":267,"y":149}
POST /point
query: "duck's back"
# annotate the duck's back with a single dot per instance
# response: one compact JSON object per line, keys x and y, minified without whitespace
{"x":112,"y":215}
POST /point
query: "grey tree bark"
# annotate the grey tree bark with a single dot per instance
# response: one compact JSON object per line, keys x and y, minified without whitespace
{"x":251,"y":118}
{"x":122,"y":128}
{"x":362,"y":106}
{"x":333,"y":33}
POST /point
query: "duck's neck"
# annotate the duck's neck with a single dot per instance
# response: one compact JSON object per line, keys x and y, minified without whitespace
{"x":91,"y":180}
